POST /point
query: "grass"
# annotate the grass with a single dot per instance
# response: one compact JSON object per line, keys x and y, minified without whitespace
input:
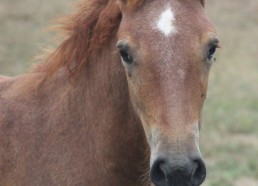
{"x":230,"y":131}
{"x":229,"y":140}
{"x":23,"y":31}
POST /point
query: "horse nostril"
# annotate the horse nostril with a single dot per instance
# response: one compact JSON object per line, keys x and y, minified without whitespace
{"x":158,"y":172}
{"x":180,"y":172}
{"x":199,"y":172}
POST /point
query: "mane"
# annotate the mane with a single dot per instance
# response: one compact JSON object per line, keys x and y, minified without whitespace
{"x":87,"y":31}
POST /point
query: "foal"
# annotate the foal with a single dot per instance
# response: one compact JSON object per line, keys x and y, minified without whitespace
{"x":91,"y":116}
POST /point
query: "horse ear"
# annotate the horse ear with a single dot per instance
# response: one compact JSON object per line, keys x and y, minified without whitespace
{"x":130,"y":4}
{"x":123,"y":1}
{"x":203,"y":2}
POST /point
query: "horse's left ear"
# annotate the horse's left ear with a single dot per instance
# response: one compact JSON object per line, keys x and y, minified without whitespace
{"x":203,"y":2}
{"x":130,"y":4}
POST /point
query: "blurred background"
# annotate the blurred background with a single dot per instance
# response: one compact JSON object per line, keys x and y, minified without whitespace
{"x":229,"y":137}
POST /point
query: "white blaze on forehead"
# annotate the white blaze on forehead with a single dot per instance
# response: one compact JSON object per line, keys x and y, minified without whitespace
{"x":165,"y":23}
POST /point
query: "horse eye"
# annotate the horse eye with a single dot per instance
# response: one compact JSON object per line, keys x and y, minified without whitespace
{"x":211,"y":52}
{"x":126,"y":57}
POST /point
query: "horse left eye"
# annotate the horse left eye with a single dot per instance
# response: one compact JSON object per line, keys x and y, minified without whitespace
{"x":211,"y":52}
{"x":126,"y":57}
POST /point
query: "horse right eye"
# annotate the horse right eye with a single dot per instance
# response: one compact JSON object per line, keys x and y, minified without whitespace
{"x":126,"y":57}
{"x":214,"y":44}
{"x":211,"y":52}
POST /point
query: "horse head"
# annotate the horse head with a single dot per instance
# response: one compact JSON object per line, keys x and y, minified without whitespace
{"x":167,"y":48}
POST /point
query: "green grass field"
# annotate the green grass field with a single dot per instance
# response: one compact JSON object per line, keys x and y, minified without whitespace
{"x":229,"y":138}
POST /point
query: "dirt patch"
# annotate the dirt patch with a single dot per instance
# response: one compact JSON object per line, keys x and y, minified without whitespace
{"x":246,"y":181}
{"x":251,"y":140}
{"x":2,"y":9}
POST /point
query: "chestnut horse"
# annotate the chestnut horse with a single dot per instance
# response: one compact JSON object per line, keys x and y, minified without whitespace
{"x":118,"y":103}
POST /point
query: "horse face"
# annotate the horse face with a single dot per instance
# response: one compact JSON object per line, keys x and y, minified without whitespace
{"x":167,"y":49}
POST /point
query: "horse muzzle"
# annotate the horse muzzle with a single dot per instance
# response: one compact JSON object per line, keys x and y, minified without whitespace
{"x":187,"y":172}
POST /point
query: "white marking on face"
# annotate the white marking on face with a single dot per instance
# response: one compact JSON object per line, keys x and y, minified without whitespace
{"x":165,"y":23}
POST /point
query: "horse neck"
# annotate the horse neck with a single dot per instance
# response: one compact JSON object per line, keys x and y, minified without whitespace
{"x":103,"y":84}
{"x":104,"y":98}
{"x":108,"y":112}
